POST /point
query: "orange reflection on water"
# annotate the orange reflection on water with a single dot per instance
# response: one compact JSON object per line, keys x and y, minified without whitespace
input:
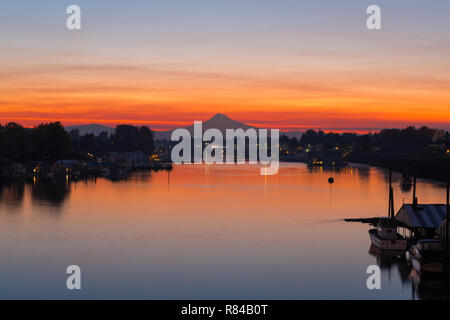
{"x":271,"y":236}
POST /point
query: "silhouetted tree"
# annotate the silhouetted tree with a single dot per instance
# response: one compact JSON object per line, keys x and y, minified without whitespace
{"x":126,"y":138}
{"x":50,"y":141}
{"x":409,"y":140}
{"x":103,"y":142}
{"x":364,"y":143}
{"x":129,"y":138}
{"x":88,"y":143}
{"x":146,"y":140}
{"x":14,"y":141}
{"x":2,"y":140}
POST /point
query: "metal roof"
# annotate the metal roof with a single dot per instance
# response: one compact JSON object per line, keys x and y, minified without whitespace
{"x":422,"y":215}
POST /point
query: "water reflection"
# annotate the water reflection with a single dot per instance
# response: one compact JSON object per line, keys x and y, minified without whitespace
{"x":428,"y":287}
{"x":363,"y":173}
{"x":12,"y":195}
{"x":203,"y":232}
{"x":50,"y":192}
{"x":406,"y":183}
{"x":389,"y":260}
{"x":53,"y":192}
{"x":329,"y":169}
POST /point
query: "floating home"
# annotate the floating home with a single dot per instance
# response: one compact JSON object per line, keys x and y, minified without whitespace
{"x":421,"y":220}
{"x":441,"y":230}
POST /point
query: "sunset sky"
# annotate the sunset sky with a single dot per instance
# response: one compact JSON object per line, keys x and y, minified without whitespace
{"x":287,"y":64}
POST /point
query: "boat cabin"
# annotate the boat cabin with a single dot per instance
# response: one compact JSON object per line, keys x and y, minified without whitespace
{"x":387,"y":231}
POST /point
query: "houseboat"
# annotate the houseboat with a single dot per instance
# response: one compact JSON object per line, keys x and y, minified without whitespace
{"x":385,"y":237}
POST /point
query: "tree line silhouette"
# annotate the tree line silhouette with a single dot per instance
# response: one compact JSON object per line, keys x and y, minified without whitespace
{"x":50,"y":141}
{"x":409,"y":140}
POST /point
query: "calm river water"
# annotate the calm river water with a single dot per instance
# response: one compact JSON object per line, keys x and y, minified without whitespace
{"x":206,"y":232}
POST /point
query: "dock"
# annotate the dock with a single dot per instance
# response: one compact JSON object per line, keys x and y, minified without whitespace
{"x":371,"y":221}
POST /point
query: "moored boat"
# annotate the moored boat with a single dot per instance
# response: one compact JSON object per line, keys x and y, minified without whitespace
{"x":385,"y":237}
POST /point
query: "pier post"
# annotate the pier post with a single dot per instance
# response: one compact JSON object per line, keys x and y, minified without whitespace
{"x":447,"y":216}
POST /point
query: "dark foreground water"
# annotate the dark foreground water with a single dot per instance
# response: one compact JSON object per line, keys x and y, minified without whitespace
{"x":206,"y":232}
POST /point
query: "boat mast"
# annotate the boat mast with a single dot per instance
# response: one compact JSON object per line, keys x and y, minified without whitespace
{"x":391,"y":197}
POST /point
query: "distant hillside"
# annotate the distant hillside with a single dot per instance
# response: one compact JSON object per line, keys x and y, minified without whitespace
{"x":219,"y":121}
{"x":96,"y":129}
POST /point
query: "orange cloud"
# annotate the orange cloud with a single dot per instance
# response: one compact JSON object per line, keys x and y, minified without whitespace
{"x":164,"y":98}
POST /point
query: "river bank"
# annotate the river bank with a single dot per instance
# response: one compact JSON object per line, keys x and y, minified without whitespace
{"x":433,"y":167}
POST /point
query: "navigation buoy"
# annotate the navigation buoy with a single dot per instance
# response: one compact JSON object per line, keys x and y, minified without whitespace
{"x":330,"y":180}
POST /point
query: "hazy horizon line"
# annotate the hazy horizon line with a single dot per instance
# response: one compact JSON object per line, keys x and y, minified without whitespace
{"x":357,"y":130}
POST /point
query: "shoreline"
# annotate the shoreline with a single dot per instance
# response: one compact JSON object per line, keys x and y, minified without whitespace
{"x":422,"y":166}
